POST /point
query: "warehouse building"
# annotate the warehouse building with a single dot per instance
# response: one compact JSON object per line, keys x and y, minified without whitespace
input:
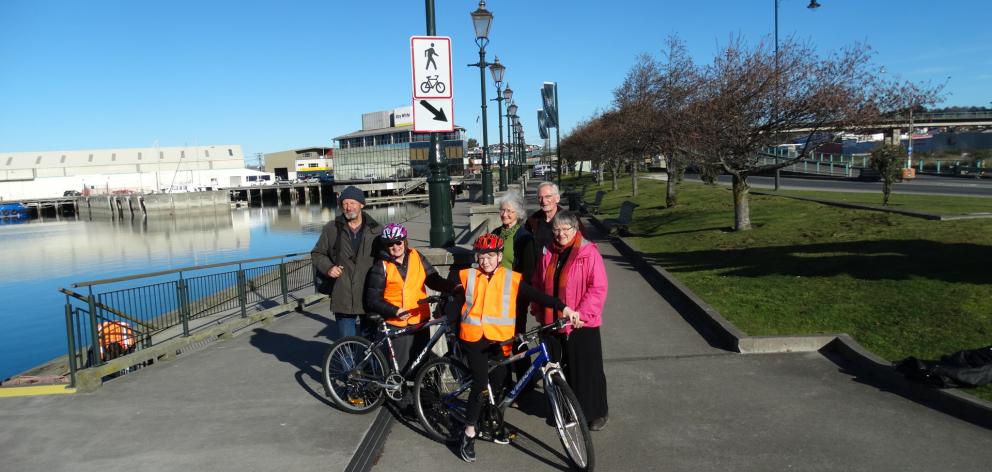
{"x":45,"y":174}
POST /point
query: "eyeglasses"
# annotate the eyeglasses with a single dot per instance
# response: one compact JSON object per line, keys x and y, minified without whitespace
{"x":562,"y":229}
{"x":394,"y":243}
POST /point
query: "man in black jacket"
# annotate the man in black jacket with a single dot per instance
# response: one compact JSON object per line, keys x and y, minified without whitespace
{"x":345,"y":253}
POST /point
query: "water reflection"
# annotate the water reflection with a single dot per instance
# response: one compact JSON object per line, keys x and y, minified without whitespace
{"x":39,"y":257}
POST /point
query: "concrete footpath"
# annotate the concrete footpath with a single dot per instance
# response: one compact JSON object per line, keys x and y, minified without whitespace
{"x":254,"y":403}
{"x":678,"y":403}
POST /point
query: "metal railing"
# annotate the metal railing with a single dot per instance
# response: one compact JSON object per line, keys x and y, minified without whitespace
{"x":115,"y":317}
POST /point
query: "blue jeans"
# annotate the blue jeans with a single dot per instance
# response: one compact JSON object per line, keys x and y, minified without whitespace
{"x":352,"y":325}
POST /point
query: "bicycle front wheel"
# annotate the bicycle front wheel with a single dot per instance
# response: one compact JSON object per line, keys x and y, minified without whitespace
{"x":571,"y":424}
{"x":351,"y":369}
{"x":441,"y":393}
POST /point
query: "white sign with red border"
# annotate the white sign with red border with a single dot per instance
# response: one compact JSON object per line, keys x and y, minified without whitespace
{"x":430,"y":58}
{"x":433,"y":115}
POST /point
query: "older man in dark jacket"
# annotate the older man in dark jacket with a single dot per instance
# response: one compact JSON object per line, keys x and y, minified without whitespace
{"x":345,"y":253}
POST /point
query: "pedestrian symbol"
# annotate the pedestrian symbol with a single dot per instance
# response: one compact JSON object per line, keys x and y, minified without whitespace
{"x":430,"y":58}
{"x":430,"y":53}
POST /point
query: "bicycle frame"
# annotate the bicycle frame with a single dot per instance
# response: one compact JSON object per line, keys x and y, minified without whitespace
{"x":387,"y":338}
{"x":542,"y":362}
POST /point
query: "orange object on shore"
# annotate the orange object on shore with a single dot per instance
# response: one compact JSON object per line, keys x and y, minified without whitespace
{"x":908,"y":173}
{"x":116,"y":336}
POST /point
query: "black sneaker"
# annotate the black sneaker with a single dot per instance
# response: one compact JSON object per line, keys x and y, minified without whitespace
{"x":467,"y":448}
{"x":502,"y":436}
{"x":599,"y":423}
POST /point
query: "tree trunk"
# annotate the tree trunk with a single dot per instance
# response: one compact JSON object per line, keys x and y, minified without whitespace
{"x":886,"y":190}
{"x":671,"y":196}
{"x":742,"y":212}
{"x":633,"y":179}
{"x":616,"y":173}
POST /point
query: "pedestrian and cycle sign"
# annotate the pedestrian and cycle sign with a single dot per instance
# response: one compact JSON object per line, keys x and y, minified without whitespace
{"x":431,"y":61}
{"x":433,"y":115}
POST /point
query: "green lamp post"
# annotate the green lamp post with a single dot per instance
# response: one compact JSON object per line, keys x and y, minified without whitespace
{"x":482,"y":20}
{"x":497,"y":71}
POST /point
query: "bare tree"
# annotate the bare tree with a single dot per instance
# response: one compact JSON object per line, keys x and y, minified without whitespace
{"x":752,"y":102}
{"x":676,"y":93}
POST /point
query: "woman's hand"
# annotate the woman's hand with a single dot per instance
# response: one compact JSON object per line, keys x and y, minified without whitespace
{"x":403,"y":314}
{"x":573,"y":317}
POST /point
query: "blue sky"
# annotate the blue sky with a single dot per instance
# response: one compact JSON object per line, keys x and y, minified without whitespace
{"x":274,"y":75}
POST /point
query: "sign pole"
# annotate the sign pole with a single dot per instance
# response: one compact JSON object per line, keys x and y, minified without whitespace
{"x":439,"y":183}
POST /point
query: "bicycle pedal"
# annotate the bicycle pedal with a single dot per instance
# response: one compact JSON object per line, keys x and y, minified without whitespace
{"x":357,"y":401}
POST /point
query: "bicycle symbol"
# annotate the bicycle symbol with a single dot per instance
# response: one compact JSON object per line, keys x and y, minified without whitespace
{"x":432,"y":83}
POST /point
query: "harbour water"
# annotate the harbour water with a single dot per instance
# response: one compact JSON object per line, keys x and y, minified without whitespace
{"x":39,"y":257}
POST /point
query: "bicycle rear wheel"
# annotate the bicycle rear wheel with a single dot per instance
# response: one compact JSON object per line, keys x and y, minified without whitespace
{"x":571,"y":424}
{"x":350,"y":373}
{"x":441,"y":393}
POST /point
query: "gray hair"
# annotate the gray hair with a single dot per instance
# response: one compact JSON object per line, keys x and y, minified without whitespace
{"x":565,"y":218}
{"x":516,"y":203}
{"x":554,"y":188}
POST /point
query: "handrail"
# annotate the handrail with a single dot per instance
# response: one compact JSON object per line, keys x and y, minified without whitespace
{"x":183,"y":269}
{"x":106,"y":308}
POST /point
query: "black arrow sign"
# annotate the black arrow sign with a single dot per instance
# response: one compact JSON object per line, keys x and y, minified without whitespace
{"x":438,"y":114}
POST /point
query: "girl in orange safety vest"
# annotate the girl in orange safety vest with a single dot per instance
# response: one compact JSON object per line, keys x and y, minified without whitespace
{"x":488,"y":318}
{"x":396,"y":282}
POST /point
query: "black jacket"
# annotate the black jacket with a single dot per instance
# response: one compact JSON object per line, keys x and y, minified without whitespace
{"x":350,"y":287}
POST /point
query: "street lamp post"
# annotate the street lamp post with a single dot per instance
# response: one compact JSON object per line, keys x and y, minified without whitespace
{"x":813,"y":5}
{"x":511,"y":111}
{"x":442,"y":231}
{"x":497,"y":71}
{"x":482,"y":20}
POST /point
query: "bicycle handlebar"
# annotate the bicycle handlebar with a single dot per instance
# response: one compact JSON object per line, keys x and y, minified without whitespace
{"x":443,"y":297}
{"x":534,"y":333}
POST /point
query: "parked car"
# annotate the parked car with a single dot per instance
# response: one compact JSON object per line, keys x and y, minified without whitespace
{"x":71,"y":193}
{"x":281,"y":181}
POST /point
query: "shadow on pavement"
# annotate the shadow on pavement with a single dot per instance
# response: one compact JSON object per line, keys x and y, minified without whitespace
{"x":304,"y":355}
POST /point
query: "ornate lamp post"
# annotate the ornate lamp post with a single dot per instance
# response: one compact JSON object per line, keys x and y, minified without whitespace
{"x":497,"y":71}
{"x":482,"y":20}
{"x":813,"y":5}
{"x":511,"y":112}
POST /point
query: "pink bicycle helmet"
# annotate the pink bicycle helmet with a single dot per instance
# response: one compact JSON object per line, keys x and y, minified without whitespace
{"x":394,"y":232}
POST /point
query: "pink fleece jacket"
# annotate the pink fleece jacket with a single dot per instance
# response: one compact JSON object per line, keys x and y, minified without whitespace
{"x":585,"y":285}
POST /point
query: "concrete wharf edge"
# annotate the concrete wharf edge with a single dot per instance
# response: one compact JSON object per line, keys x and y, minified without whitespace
{"x":839,"y":348}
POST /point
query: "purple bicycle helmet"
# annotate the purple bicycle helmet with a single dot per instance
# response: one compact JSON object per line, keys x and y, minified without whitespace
{"x":394,"y":232}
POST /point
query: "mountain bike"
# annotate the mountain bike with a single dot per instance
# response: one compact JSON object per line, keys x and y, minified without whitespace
{"x":356,"y":375}
{"x":442,"y":387}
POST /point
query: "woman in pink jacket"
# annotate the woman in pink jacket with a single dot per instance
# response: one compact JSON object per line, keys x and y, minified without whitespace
{"x":572,"y":269}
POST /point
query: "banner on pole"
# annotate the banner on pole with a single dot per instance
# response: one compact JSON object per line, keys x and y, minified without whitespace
{"x":542,"y":124}
{"x":548,"y":95}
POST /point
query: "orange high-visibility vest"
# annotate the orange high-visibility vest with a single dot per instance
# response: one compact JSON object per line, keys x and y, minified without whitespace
{"x":115,"y":332}
{"x":405,"y":293}
{"x":490,"y":308}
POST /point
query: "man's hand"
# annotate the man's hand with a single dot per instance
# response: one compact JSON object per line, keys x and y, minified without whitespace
{"x":335,"y":272}
{"x":573,"y":317}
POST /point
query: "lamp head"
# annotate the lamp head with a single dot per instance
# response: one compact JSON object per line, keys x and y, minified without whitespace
{"x":497,"y":71}
{"x":482,"y":19}
{"x":813,"y":5}
{"x":507,"y":92}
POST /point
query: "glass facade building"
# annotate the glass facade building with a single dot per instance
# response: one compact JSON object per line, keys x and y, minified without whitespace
{"x":393,"y":153}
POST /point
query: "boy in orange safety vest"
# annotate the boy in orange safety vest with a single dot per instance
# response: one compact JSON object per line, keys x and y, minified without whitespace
{"x":488,"y":318}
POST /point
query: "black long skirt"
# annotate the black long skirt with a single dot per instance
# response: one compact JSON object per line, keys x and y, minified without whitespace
{"x":582,"y":362}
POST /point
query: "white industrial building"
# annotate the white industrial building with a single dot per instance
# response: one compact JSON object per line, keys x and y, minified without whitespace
{"x":44,"y":174}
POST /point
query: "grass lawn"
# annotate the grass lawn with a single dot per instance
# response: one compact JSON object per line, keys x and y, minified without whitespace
{"x":901,"y":286}
{"x":934,"y":204}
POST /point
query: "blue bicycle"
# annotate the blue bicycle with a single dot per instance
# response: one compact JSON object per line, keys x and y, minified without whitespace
{"x":442,"y":387}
